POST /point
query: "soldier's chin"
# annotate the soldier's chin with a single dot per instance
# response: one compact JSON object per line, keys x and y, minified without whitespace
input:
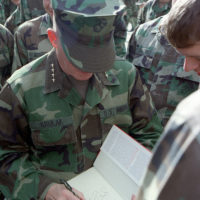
{"x":84,"y":76}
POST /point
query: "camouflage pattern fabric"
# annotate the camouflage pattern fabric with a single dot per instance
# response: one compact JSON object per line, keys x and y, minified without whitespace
{"x":6,"y":53}
{"x":151,"y":10}
{"x":27,"y":10}
{"x":161,"y":68}
{"x":47,"y":131}
{"x":6,"y":8}
{"x":120,"y":34}
{"x":173,"y":172}
{"x":31,"y":41}
{"x":132,"y":9}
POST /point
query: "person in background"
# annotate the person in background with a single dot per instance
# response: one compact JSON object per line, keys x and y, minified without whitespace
{"x":7,"y":7}
{"x":153,"y":9}
{"x":173,"y":172}
{"x":31,"y":39}
{"x":56,"y":111}
{"x":6,"y":54}
{"x":132,"y":9}
{"x":160,"y":67}
{"x":28,"y":9}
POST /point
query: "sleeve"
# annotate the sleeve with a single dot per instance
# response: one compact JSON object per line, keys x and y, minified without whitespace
{"x":20,"y":175}
{"x":20,"y":52}
{"x":146,"y":127}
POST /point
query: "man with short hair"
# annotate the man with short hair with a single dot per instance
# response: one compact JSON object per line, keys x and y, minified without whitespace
{"x":56,"y":111}
{"x":173,"y":172}
{"x":160,"y":67}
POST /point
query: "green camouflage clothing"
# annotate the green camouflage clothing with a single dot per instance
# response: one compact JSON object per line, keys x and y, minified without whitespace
{"x":173,"y":173}
{"x":6,"y":53}
{"x":6,"y":8}
{"x":132,"y":9}
{"x":120,"y":35}
{"x":47,"y":131}
{"x":27,"y":10}
{"x":31,"y":40}
{"x":161,"y":68}
{"x":151,"y":10}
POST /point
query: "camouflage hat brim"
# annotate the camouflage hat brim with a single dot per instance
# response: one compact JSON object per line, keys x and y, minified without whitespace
{"x":89,"y":59}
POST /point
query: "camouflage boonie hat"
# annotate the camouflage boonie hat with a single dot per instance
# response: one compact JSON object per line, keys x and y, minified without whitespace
{"x":85,"y":29}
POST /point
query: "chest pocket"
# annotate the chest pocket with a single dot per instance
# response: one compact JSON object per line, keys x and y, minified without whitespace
{"x":53,"y":132}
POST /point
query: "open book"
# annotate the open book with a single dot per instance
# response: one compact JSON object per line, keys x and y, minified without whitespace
{"x":118,"y":170}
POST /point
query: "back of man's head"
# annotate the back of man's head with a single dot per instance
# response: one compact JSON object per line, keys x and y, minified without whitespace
{"x":183,"y":23}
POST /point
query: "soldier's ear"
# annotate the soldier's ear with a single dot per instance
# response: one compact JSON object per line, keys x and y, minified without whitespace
{"x":52,"y":37}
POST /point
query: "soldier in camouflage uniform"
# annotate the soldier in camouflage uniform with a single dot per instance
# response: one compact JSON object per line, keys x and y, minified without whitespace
{"x":153,"y":9}
{"x":160,"y":67}
{"x":28,"y":9}
{"x":31,"y":39}
{"x":56,"y":111}
{"x":6,"y":54}
{"x":6,"y":8}
{"x":173,"y":172}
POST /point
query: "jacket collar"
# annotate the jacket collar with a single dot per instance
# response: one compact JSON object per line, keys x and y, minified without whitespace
{"x":57,"y":80}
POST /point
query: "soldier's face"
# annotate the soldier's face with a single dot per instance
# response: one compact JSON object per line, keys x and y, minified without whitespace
{"x":192,"y":58}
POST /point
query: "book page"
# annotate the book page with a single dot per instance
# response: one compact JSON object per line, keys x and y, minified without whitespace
{"x":93,"y":186}
{"x":128,"y":154}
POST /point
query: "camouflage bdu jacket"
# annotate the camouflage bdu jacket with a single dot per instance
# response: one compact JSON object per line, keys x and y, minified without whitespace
{"x":47,"y":131}
{"x":161,"y":68}
{"x":6,"y":53}
{"x":173,"y":172}
{"x":27,"y":10}
{"x":131,"y":12}
{"x":31,"y":41}
{"x":151,"y":10}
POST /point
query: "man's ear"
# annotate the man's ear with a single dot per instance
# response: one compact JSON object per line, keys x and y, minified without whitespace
{"x":52,"y":37}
